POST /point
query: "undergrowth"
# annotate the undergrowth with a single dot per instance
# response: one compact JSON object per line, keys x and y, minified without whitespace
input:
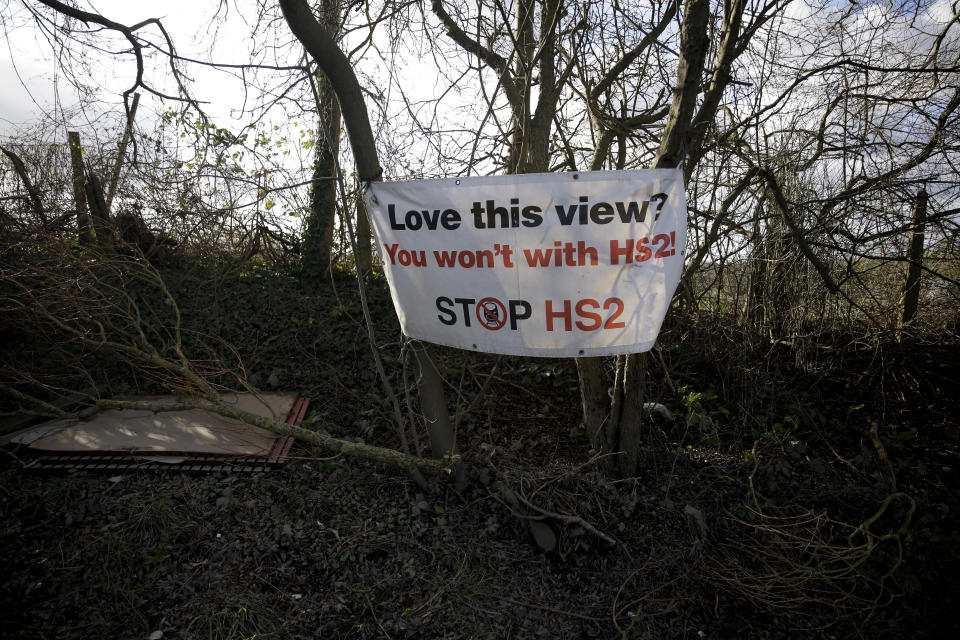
{"x":801,"y":484}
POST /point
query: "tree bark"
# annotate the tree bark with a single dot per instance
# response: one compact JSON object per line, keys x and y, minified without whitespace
{"x":122,"y":152}
{"x":594,"y":400}
{"x":910,"y":298}
{"x":79,"y":188}
{"x":98,"y":210}
{"x":318,"y":240}
{"x":618,"y":421}
{"x":364,"y":257}
{"x":693,"y":52}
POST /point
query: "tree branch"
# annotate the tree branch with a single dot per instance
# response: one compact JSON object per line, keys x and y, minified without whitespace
{"x":338,"y":70}
{"x":33,"y":192}
{"x":493,"y":60}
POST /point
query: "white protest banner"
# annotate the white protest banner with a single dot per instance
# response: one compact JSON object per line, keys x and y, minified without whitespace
{"x":550,"y":264}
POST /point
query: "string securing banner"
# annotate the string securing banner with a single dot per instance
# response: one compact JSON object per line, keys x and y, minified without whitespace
{"x":549,"y":264}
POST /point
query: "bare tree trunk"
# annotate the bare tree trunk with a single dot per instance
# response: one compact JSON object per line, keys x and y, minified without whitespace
{"x":523,"y":70}
{"x":318,"y":240}
{"x":122,"y":152}
{"x":631,"y":418}
{"x":79,"y":188}
{"x":910,"y":298}
{"x":442,"y":442}
{"x":756,"y":299}
{"x":339,"y":71}
{"x":98,"y":209}
{"x":544,"y":57}
{"x":619,"y":429}
{"x":693,"y":52}
{"x":594,"y":399}
{"x":364,"y":257}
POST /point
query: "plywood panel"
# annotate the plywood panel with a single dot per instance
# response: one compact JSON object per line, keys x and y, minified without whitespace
{"x":195,"y":430}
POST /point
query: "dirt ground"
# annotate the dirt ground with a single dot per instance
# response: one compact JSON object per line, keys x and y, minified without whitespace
{"x":336,"y":549}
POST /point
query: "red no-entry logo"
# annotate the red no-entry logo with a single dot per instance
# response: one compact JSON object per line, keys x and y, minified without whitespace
{"x":491,"y":313}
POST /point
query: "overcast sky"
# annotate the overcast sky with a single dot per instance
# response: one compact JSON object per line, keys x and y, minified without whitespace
{"x":32,"y":82}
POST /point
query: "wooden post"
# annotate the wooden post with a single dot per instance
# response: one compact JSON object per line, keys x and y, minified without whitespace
{"x":910,"y":297}
{"x":79,"y":188}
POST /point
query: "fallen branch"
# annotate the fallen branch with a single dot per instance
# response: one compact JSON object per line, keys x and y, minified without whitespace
{"x":370,"y":453}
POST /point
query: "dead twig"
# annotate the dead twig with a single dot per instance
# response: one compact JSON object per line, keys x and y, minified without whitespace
{"x":564,"y":518}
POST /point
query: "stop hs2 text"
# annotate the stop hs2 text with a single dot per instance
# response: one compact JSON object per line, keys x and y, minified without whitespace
{"x":493,"y":314}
